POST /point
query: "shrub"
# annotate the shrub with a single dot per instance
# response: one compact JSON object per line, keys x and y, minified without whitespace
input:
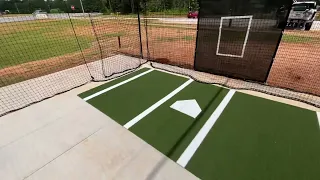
{"x":105,"y":11}
{"x":56,"y":11}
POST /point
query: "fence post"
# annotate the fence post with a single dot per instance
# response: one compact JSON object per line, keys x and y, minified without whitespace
{"x":119,"y":42}
{"x":140,"y":34}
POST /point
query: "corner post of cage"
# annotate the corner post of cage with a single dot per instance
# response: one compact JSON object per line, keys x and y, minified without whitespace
{"x":78,"y":42}
{"x":278,"y":43}
{"x":146,"y":27}
{"x":197,"y":37}
{"x":98,"y":42}
{"x":139,"y":27}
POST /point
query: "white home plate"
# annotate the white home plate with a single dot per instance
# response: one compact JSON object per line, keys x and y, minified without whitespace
{"x":188,"y":107}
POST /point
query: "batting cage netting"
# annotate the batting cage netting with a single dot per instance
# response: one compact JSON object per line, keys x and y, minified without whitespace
{"x":241,"y":44}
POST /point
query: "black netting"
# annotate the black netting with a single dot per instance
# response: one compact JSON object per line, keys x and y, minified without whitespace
{"x":117,"y":37}
{"x":170,"y":35}
{"x":288,"y":78}
{"x":297,"y":62}
{"x":56,"y":49}
{"x":238,"y":38}
{"x":51,"y":51}
{"x":252,"y":87}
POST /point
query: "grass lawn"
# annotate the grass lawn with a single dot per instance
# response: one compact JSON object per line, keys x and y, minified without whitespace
{"x":15,"y":15}
{"x":116,"y":34}
{"x":171,"y":39}
{"x":42,"y":39}
{"x":297,"y":39}
{"x":24,"y":41}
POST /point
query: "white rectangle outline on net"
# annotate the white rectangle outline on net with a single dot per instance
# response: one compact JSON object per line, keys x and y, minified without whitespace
{"x":245,"y":40}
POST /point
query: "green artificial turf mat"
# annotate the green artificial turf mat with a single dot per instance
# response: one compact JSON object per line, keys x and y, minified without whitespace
{"x":111,"y":83}
{"x":255,"y":138}
{"x":127,"y":101}
{"x":171,"y":131}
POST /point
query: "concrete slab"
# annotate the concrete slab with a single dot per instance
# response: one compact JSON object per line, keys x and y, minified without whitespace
{"x":112,"y":153}
{"x":31,"y":152}
{"x":66,"y":138}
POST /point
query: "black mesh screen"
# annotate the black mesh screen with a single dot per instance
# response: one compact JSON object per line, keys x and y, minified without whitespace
{"x":239,"y":38}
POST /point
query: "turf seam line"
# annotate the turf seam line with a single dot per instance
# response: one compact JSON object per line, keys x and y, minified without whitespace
{"x":318,"y":114}
{"x":156,"y":105}
{"x":116,"y":85}
{"x":201,"y":135}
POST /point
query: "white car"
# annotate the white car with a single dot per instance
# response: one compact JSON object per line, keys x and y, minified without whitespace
{"x":302,"y":15}
{"x":39,"y":14}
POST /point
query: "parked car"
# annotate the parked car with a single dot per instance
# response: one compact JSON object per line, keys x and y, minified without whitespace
{"x":4,"y":12}
{"x":193,"y":14}
{"x":36,"y":12}
{"x":301,"y":16}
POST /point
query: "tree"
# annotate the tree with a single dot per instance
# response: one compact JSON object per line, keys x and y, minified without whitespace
{"x":123,"y":6}
{"x":12,"y":5}
{"x":59,"y":4}
{"x":92,"y":5}
{"x":37,"y":4}
{"x":194,"y":5}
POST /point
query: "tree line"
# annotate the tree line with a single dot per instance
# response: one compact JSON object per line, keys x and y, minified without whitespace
{"x":104,"y":6}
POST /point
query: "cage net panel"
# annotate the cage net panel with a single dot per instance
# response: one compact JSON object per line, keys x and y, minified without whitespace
{"x":117,"y":40}
{"x":170,"y":36}
{"x":238,"y":38}
{"x":241,"y":84}
{"x":277,"y":84}
{"x":39,"y":58}
{"x":44,"y":55}
{"x":297,"y":62}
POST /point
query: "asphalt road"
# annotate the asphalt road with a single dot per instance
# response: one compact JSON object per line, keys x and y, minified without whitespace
{"x":259,"y":23}
{"x":50,"y":16}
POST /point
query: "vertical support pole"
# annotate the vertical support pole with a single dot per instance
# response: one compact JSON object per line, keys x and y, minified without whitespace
{"x":119,"y":42}
{"x":140,"y":34}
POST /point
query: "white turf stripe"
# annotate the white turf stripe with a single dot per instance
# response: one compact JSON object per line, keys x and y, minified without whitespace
{"x":156,"y":105}
{"x":196,"y":142}
{"x":318,"y":114}
{"x":116,"y":85}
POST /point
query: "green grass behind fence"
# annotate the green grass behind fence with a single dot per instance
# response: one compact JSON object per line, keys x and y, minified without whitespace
{"x":38,"y":41}
{"x":297,"y":39}
{"x":172,"y":39}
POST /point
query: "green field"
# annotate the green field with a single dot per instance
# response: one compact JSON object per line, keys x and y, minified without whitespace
{"x":30,"y":41}
{"x":42,"y":39}
{"x":298,"y":39}
{"x":170,"y":39}
{"x":250,"y":138}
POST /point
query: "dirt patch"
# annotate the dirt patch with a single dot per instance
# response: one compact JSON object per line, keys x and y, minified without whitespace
{"x":172,"y":46}
{"x":38,"y":68}
{"x":296,"y":67}
{"x":315,"y":34}
{"x":109,"y":46}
